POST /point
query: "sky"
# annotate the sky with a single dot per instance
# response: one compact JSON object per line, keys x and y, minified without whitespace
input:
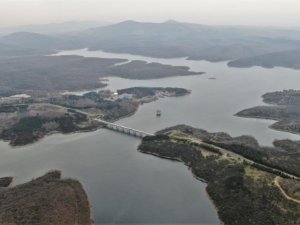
{"x":210,"y":12}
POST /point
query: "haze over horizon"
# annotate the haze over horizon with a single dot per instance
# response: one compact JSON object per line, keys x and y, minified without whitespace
{"x":210,"y":12}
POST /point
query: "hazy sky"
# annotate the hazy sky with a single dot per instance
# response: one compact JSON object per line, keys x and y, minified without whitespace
{"x":218,"y":12}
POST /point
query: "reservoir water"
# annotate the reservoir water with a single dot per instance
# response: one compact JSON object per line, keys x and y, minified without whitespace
{"x":128,"y":187}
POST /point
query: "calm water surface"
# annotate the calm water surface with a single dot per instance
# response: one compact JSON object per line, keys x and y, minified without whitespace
{"x":127,"y":187}
{"x":212,"y":103}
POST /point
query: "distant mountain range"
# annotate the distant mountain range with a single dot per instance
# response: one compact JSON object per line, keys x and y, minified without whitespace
{"x":243,"y":46}
{"x":29,"y":40}
{"x":197,"y":42}
{"x":53,"y":28}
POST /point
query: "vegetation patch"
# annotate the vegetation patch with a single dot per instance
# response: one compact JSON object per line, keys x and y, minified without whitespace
{"x":29,"y":129}
{"x":242,"y":192}
{"x":46,"y":200}
{"x":284,"y":108}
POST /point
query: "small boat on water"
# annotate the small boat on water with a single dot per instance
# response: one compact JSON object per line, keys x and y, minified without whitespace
{"x":158,"y":112}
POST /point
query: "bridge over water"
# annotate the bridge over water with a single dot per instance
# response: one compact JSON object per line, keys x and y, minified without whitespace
{"x":117,"y":127}
{"x":124,"y":129}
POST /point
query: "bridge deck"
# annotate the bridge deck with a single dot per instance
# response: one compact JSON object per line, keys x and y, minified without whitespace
{"x":118,"y":127}
{"x":113,"y":125}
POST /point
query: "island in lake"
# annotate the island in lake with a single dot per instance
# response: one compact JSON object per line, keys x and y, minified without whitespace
{"x":284,"y":107}
{"x":248,"y":184}
{"x":43,"y":75}
{"x":46,"y":200}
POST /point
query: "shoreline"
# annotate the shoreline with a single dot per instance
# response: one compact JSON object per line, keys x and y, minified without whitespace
{"x":280,"y":107}
{"x":194,"y":176}
{"x":269,"y":126}
{"x":49,"y":134}
{"x":178,"y":160}
{"x":226,"y":179}
{"x":49,"y":192}
{"x":140,"y":102}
